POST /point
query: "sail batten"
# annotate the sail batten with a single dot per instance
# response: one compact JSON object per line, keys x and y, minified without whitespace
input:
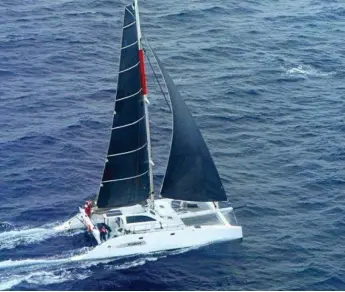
{"x":130,"y":124}
{"x":191,"y":174}
{"x":128,"y":25}
{"x":130,"y":68}
{"x":125,"y":178}
{"x":128,"y":152}
{"x":129,"y":96}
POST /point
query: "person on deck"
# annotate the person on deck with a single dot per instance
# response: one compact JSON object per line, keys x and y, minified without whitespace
{"x":103,"y":233}
{"x":87,"y":208}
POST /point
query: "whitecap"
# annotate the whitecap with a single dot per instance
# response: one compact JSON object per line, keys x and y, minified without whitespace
{"x":306,"y":70}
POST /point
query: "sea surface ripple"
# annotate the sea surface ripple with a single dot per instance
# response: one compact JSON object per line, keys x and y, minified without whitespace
{"x":265,"y":82}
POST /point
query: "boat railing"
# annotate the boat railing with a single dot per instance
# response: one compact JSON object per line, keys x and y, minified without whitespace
{"x":230,"y":216}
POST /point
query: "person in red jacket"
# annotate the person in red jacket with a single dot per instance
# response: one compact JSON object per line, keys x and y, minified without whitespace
{"x":87,"y":208}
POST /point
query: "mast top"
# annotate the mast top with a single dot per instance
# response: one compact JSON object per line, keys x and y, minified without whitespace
{"x":137,"y":19}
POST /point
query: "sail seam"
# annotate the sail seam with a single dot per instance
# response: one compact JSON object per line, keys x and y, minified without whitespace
{"x":129,"y":45}
{"x":128,"y":25}
{"x":127,"y":125}
{"x":125,"y":178}
{"x":129,"y":68}
{"x":129,"y":96}
{"x":128,"y":152}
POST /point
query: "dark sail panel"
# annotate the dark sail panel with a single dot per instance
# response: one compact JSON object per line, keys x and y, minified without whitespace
{"x":126,"y":173}
{"x":127,"y":192}
{"x":191,"y":174}
{"x":128,"y":138}
{"x":134,"y":161}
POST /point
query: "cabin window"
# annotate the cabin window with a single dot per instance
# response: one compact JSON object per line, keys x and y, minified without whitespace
{"x":153,"y":213}
{"x":138,"y":219}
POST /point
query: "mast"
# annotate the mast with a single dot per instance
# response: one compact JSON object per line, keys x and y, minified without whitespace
{"x":144,"y":91}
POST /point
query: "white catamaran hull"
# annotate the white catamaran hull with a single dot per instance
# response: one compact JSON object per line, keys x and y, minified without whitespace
{"x":190,"y":236}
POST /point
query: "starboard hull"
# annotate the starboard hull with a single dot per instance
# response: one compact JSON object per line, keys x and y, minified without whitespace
{"x":164,"y":240}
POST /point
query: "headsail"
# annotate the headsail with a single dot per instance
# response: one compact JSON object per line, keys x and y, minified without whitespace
{"x":191,"y":174}
{"x":126,"y":174}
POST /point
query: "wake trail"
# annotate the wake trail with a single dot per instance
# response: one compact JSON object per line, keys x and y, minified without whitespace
{"x":38,"y":272}
{"x":13,"y":238}
{"x":14,"y":272}
{"x":31,"y":262}
{"x":58,"y":269}
{"x":41,"y":271}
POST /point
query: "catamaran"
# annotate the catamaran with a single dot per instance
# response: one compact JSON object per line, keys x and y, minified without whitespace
{"x":191,"y":208}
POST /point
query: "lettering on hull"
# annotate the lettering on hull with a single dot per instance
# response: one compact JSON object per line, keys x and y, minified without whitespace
{"x":134,"y":243}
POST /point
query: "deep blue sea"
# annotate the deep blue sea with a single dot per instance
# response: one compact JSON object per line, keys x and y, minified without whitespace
{"x":264,"y":80}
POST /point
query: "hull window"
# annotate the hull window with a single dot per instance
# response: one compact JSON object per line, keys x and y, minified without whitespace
{"x":138,"y":219}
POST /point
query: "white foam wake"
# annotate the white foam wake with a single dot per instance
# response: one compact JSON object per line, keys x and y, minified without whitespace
{"x":48,"y":271}
{"x":14,"y":238}
{"x":12,"y":272}
{"x":43,"y":271}
{"x":150,"y":258}
{"x":29,"y":262}
{"x":43,"y":278}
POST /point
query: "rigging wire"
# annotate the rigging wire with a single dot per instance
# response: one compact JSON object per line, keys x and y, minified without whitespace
{"x":155,"y":75}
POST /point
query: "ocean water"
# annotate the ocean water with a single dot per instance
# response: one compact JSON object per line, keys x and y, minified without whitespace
{"x":265,"y":82}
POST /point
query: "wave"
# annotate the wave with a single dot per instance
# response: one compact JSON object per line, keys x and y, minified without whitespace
{"x":4,"y":73}
{"x":196,"y":12}
{"x":4,"y":226}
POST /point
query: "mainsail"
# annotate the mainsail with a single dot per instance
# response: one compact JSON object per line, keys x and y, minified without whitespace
{"x":126,"y":174}
{"x":191,"y":174}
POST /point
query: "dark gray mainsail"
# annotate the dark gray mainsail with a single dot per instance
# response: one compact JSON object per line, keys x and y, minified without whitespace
{"x":126,"y":173}
{"x":191,"y":174}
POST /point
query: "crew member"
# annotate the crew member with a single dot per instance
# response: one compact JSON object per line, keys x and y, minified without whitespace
{"x":103,"y":233}
{"x":87,"y":208}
